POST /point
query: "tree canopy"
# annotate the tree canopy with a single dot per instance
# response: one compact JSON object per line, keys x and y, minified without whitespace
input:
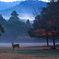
{"x":47,"y":23}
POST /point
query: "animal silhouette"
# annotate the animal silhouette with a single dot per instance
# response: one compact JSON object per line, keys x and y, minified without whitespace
{"x":15,"y":46}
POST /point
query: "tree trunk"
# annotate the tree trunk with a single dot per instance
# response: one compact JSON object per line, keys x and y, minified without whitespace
{"x":47,"y":38}
{"x":54,"y":47}
{"x":47,"y":41}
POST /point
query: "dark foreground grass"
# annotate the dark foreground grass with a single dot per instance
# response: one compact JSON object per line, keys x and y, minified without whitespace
{"x":42,"y":53}
{"x":37,"y":52}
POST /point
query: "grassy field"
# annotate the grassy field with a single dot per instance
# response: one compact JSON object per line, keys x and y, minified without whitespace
{"x":36,"y":52}
{"x":42,"y":53}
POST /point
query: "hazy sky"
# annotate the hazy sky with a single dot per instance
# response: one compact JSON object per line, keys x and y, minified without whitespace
{"x":11,"y":0}
{"x":19,"y":0}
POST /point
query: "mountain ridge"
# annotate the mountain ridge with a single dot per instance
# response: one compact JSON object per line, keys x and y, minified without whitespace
{"x":6,"y":5}
{"x":24,"y":9}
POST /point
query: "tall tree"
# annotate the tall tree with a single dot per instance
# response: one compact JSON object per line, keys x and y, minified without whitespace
{"x":48,"y":24}
{"x":50,"y":18}
{"x":54,"y":21}
{"x":1,"y":30}
{"x":41,"y":27}
{"x":14,"y":16}
{"x":28,"y":24}
{"x":2,"y":20}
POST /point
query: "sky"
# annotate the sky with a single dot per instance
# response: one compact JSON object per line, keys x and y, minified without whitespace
{"x":20,"y":0}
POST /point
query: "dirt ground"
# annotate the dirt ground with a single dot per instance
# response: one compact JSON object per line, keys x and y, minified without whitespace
{"x":22,"y":56}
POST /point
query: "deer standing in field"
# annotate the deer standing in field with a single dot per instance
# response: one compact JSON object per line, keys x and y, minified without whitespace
{"x":15,"y":45}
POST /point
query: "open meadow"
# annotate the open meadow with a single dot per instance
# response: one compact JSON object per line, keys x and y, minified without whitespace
{"x":42,"y":52}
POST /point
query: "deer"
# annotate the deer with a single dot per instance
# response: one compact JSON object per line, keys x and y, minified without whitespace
{"x":15,"y":45}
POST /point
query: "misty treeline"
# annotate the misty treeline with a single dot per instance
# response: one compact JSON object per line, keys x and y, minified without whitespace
{"x":46,"y":25}
{"x":15,"y":29}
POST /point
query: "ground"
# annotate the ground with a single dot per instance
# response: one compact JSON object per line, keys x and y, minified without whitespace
{"x":29,"y":53}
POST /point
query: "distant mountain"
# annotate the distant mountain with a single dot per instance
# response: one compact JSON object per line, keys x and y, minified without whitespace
{"x":5,"y":5}
{"x":25,"y":9}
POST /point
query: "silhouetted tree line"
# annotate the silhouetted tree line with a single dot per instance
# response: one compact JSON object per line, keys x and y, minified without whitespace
{"x":46,"y":25}
{"x":14,"y":27}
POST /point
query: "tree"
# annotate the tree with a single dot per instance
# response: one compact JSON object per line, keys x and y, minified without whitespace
{"x":52,"y":19}
{"x":2,"y":20}
{"x":15,"y":27}
{"x":31,"y":32}
{"x":41,"y":28}
{"x":14,"y":16}
{"x":47,"y":25}
{"x":28,"y":24}
{"x":1,"y":29}
{"x":50,"y":15}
